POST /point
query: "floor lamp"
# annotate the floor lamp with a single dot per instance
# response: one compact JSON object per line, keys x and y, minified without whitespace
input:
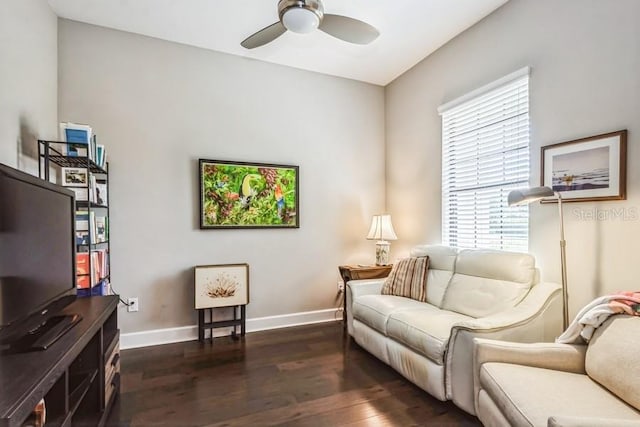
{"x":529,"y":195}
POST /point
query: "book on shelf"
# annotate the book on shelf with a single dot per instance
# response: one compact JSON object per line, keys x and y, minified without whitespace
{"x":99,"y":265}
{"x":92,"y":224}
{"x":78,"y":134}
{"x":101,"y":229}
{"x":98,"y":226}
{"x":75,"y":151}
{"x":102,"y":288}
{"x":82,"y":221}
{"x":84,"y":143}
{"x":83,"y":280}
{"x":82,"y":194}
{"x":95,"y":192}
{"x":75,"y":132}
{"x":92,"y":188}
{"x":101,"y":194}
{"x":91,"y":268}
{"x":101,"y":156}
{"x":95,"y":273}
{"x":82,"y":237}
{"x":93,"y":149}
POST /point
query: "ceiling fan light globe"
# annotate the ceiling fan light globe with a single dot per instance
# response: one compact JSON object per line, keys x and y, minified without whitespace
{"x":300,"y":20}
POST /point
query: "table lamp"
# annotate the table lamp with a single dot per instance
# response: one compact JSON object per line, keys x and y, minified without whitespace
{"x":382,"y":230}
{"x":529,"y":195}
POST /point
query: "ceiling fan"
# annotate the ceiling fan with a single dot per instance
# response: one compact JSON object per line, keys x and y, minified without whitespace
{"x":304,"y":16}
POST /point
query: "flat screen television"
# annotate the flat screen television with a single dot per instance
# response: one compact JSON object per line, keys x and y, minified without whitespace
{"x":37,"y":259}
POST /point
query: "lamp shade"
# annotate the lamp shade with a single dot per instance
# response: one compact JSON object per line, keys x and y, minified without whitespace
{"x":381,"y":228}
{"x":525,"y":196}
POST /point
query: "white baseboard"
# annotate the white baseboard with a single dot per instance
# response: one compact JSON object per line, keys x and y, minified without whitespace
{"x":190,"y":333}
{"x":158,"y":336}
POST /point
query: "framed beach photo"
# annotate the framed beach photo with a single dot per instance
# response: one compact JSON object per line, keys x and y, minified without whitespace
{"x":222,"y":285}
{"x":587,"y":169}
{"x":75,"y":177}
{"x":248,"y":195}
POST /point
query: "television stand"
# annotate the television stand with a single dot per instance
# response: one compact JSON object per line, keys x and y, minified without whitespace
{"x":45,"y":334}
{"x":78,"y":375}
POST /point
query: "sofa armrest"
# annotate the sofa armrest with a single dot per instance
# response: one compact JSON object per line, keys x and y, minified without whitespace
{"x":537,"y":318}
{"x":559,"y":357}
{"x":529,"y":307}
{"x":356,"y":288}
{"x":565,"y":421}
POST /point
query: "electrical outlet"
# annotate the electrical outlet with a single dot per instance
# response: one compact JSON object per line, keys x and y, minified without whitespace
{"x":133,"y":304}
{"x":340,"y":286}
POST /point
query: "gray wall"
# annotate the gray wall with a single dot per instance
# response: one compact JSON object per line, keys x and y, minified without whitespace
{"x":585,"y":59}
{"x":159,"y":106}
{"x":28,"y":80}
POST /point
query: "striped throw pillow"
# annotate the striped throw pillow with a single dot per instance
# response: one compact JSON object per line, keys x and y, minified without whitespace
{"x":408,"y":278}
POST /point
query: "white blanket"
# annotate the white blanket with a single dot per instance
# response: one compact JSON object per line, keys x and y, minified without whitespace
{"x":595,"y":313}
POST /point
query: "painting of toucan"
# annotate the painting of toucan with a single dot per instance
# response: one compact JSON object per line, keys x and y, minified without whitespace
{"x":251,"y":195}
{"x":247,"y":191}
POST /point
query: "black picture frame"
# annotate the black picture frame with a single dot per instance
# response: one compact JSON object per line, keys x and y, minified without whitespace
{"x":238,"y":195}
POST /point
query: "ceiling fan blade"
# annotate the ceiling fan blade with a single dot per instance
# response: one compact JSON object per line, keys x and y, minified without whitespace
{"x":348,"y":29}
{"x":264,"y":36}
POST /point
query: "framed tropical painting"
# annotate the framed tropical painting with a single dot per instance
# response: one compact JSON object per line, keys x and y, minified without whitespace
{"x":248,"y":195}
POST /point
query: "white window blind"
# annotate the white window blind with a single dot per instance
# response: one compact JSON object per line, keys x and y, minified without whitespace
{"x":485,"y":155}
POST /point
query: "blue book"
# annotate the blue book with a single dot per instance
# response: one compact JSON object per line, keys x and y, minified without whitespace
{"x":82,"y":237}
{"x":77,"y":135}
{"x":100,"y":155}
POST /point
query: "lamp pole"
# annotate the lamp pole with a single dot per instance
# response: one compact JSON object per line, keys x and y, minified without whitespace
{"x":563,"y":262}
{"x":528,"y":195}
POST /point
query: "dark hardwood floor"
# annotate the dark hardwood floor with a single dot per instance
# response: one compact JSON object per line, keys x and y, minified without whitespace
{"x":302,"y":376}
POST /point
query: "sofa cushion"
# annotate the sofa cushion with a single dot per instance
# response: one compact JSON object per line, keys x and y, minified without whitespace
{"x":442,"y":260}
{"x":374,"y":310}
{"x":440,"y":257}
{"x":408,"y":278}
{"x":612,"y":357}
{"x":486,"y":282}
{"x":528,"y":396}
{"x":425,"y":329}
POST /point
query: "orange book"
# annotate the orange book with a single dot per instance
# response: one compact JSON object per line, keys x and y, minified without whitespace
{"x":82,"y":270}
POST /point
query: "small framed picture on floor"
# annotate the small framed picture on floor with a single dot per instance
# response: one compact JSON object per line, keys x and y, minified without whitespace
{"x":222,"y":285}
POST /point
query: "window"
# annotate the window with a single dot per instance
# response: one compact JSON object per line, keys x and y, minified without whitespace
{"x":485,"y":155}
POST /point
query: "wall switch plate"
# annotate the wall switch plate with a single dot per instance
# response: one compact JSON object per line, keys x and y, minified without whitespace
{"x":133,"y":304}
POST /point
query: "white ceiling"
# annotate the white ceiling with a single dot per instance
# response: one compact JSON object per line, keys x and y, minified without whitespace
{"x":409,"y":30}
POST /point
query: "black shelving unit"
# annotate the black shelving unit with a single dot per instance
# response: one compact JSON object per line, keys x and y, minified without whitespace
{"x":54,"y":153}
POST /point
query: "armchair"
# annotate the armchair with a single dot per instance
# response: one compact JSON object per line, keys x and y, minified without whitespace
{"x":547,"y":384}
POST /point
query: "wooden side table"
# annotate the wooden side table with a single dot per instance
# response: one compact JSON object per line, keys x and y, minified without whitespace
{"x":359,"y":272}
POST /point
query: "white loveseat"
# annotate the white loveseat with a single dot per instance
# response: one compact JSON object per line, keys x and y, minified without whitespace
{"x":470,"y":293}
